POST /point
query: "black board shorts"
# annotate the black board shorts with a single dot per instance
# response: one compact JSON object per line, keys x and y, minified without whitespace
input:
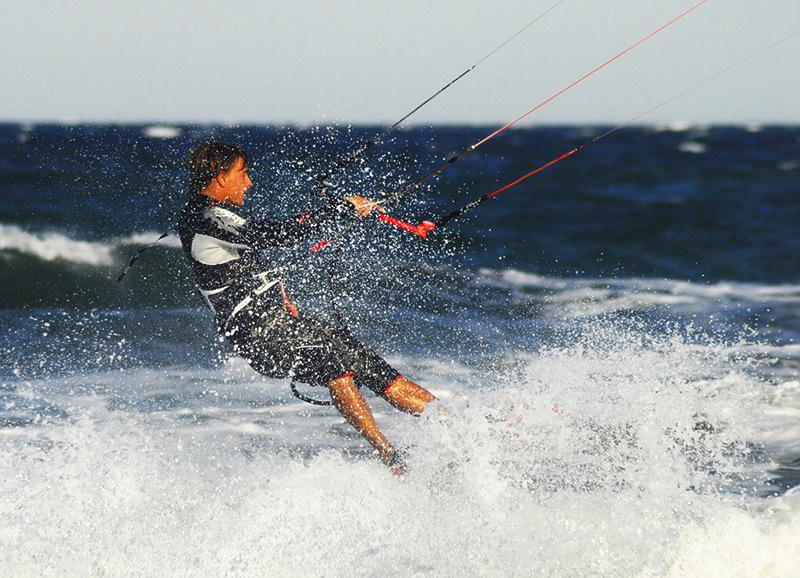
{"x":308,"y":350}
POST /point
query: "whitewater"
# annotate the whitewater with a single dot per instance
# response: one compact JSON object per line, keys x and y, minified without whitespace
{"x":623,"y":454}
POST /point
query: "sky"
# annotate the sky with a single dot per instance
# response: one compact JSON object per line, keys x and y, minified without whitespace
{"x":370,"y":61}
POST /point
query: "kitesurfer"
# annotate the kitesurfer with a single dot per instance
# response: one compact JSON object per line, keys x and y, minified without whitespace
{"x":250,"y":302}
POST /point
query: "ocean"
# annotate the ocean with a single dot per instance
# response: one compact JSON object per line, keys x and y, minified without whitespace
{"x":615,"y":344}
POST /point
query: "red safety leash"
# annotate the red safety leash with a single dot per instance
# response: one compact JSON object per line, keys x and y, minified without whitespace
{"x":426,"y":227}
{"x":423,"y":229}
{"x":469,"y":149}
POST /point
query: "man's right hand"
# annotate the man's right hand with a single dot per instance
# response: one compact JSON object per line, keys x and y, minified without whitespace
{"x":365,"y":206}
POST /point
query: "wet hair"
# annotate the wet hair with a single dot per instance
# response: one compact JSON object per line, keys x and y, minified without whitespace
{"x":210,"y":159}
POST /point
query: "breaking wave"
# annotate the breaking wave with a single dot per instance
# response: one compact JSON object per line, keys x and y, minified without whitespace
{"x":54,"y":246}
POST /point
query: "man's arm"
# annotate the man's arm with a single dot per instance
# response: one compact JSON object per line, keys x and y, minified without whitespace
{"x":293,"y":231}
{"x":260,"y":232}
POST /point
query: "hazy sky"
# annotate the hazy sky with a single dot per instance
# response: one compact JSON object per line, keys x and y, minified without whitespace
{"x":371,"y":61}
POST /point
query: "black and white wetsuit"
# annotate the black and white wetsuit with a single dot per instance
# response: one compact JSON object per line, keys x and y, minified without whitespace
{"x":249,"y":303}
{"x":223,"y":249}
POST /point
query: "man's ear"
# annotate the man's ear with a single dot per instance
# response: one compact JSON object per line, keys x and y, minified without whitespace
{"x":221,"y":178}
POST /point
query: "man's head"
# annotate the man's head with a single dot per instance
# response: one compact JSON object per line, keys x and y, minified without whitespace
{"x":219,"y":171}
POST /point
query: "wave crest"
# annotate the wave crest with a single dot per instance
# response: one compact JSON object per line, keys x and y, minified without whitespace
{"x":55,"y":246}
{"x":583,"y":297}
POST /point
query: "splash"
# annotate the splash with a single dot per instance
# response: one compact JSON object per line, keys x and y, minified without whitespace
{"x":623,"y":451}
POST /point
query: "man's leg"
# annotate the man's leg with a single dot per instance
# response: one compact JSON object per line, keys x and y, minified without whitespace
{"x":373,"y":372}
{"x":352,"y":405}
{"x":406,"y":395}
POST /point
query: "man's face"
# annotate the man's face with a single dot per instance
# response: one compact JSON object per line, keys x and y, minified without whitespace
{"x":235,"y":183}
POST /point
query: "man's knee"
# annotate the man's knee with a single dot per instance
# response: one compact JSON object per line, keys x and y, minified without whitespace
{"x":408,"y":396}
{"x":343,"y":389}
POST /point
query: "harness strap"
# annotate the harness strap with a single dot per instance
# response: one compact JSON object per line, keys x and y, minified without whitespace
{"x":289,"y":305}
{"x":310,"y":400}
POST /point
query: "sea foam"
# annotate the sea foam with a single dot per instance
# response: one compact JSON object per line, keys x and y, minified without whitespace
{"x":161,"y":131}
{"x":581,"y":460}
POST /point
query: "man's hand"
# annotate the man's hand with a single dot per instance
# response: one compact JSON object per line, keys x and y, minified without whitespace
{"x":364,"y":206}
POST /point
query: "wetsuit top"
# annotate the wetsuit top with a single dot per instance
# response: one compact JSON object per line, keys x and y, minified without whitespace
{"x":223,"y":250}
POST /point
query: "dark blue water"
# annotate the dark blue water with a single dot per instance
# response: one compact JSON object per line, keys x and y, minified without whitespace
{"x":635,"y":204}
{"x":705,"y":205}
{"x":637,"y":305}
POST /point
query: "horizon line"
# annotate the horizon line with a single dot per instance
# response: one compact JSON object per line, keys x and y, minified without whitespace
{"x":69,"y":121}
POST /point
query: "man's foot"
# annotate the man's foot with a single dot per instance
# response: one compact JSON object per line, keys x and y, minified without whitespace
{"x":397,"y":464}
